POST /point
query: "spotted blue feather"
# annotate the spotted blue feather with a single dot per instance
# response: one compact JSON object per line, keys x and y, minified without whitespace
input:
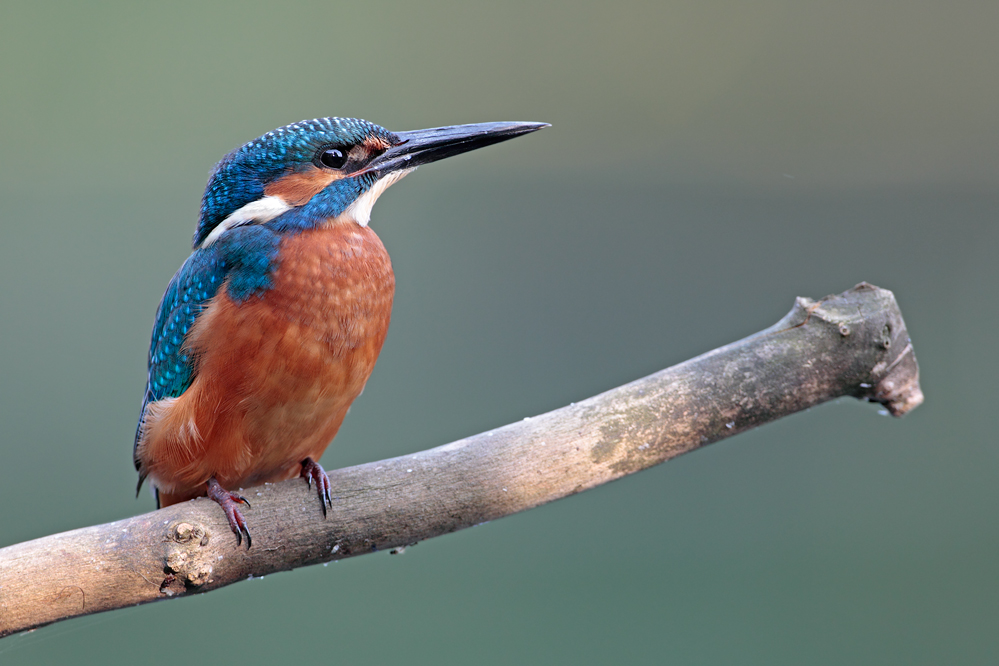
{"x":239,"y":178}
{"x":242,"y":261}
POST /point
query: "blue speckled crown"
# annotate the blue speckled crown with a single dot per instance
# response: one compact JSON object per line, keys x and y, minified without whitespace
{"x":239,"y":178}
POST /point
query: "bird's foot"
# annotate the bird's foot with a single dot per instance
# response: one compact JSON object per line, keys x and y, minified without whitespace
{"x":313,"y":471}
{"x":228,"y":502}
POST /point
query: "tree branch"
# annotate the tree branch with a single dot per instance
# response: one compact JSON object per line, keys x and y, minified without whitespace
{"x":854,"y":344}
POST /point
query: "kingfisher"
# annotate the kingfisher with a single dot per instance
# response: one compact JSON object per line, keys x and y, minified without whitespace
{"x":271,"y":328}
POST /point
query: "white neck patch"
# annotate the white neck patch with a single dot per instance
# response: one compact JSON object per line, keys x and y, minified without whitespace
{"x":360,"y":210}
{"x":255,"y":212}
{"x":267,"y":208}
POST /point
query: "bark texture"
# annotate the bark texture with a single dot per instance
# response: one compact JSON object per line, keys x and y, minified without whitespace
{"x":853,"y":344}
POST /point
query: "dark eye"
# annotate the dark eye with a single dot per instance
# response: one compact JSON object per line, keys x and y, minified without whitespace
{"x":334,"y":158}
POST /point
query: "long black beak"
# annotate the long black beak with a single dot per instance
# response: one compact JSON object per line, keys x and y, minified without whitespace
{"x":429,"y":145}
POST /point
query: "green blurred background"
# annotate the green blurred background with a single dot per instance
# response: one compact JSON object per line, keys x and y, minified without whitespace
{"x":708,"y":162}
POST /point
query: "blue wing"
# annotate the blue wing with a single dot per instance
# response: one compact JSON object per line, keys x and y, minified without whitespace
{"x":245,"y":256}
{"x":170,"y":367}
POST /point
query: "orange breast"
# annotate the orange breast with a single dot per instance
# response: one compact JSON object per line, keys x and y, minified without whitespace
{"x":277,"y":372}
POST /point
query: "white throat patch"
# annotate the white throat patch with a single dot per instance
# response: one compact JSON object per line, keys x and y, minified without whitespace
{"x":267,"y":208}
{"x":255,"y":212}
{"x":360,"y":210}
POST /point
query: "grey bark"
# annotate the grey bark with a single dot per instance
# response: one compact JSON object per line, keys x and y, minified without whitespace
{"x":853,"y":344}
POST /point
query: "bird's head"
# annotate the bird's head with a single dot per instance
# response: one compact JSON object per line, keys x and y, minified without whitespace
{"x":303,"y":174}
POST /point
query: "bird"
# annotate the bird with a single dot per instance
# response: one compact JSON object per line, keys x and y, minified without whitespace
{"x":270,"y":329}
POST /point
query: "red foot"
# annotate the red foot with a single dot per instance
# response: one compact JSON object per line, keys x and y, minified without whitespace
{"x":311,"y":470}
{"x":228,"y":502}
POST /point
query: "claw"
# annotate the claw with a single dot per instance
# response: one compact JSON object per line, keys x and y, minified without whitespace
{"x":311,"y":470}
{"x":228,"y":502}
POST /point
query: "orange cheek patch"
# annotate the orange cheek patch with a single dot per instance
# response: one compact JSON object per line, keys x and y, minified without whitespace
{"x":376,"y":145}
{"x":298,"y":187}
